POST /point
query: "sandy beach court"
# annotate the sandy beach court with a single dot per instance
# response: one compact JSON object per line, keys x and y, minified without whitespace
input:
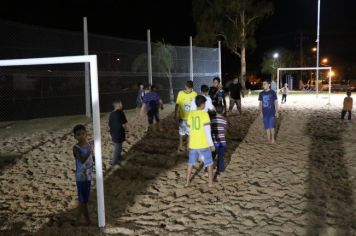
{"x":303,"y":185}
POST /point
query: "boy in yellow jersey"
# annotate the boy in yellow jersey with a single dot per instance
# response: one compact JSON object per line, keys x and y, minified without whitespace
{"x":183,"y":102}
{"x":200,"y":142}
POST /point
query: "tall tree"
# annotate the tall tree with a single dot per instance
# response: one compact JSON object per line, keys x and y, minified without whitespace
{"x":164,"y":57}
{"x":232,"y":21}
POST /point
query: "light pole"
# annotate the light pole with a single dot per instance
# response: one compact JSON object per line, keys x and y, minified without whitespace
{"x":317,"y":51}
{"x":275,"y":57}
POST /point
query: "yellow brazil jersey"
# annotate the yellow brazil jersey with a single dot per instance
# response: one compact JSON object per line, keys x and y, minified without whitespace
{"x":196,"y":122}
{"x":183,"y":101}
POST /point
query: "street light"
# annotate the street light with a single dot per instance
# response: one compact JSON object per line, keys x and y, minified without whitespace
{"x":276,"y":55}
{"x":314,"y":49}
{"x":325,"y":60}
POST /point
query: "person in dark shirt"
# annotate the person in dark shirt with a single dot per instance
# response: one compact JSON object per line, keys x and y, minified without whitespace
{"x":151,"y":104}
{"x":269,"y":109}
{"x":217,"y":94}
{"x":117,"y":125}
{"x":235,"y":95}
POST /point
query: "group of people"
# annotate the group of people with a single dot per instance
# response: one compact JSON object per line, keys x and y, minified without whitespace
{"x":202,"y":127}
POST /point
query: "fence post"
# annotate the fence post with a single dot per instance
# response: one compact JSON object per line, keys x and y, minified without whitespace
{"x":220,"y":74}
{"x":191,"y":58}
{"x":87,"y":79}
{"x":149,"y":57}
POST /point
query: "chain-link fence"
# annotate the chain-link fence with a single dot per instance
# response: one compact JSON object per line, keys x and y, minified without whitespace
{"x":44,"y":91}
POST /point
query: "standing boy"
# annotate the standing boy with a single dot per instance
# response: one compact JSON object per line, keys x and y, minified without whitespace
{"x":184,"y":99}
{"x":285,"y":91}
{"x":117,"y":125}
{"x":269,"y":109}
{"x":235,"y":95}
{"x":140,"y":95}
{"x":218,"y":128}
{"x":152,"y":103}
{"x":217,"y":93}
{"x":348,"y":103}
{"x":209,"y":107}
{"x":83,"y":153}
{"x":200,"y":142}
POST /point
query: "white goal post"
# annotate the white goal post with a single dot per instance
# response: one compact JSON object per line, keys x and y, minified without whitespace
{"x":308,"y":68}
{"x":92,"y":60}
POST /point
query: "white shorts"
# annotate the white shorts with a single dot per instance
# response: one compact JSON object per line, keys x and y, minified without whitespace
{"x":183,"y":128}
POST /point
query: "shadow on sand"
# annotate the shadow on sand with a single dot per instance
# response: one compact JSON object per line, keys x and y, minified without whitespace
{"x":330,"y":205}
{"x":146,"y":160}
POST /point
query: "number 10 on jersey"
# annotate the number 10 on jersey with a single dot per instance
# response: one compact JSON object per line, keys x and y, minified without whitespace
{"x":196,"y":122}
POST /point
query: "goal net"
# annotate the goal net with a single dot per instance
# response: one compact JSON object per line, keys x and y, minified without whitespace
{"x":312,"y":84}
{"x":37,"y":88}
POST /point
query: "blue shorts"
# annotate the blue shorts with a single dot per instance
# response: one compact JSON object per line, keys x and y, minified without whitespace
{"x":83,"y":188}
{"x":268,"y":122}
{"x":204,"y":154}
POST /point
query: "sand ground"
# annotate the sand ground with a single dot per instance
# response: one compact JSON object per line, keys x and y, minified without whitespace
{"x":303,"y":185}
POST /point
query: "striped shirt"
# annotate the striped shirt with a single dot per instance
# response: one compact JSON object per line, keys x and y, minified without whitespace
{"x":218,"y":127}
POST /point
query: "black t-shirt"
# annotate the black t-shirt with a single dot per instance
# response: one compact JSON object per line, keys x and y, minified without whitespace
{"x":116,"y":121}
{"x":235,"y":91}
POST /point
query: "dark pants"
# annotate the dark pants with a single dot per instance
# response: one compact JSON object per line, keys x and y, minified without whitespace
{"x":343,"y":113}
{"x":284,"y":98}
{"x":116,"y":156}
{"x":219,"y":153}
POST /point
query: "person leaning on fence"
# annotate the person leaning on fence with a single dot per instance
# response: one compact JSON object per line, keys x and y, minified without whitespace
{"x":348,"y":104}
{"x":83,"y":152}
{"x":117,"y":126}
{"x":184,"y":99}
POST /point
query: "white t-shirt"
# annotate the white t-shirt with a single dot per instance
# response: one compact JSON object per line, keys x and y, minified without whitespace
{"x":208,"y":105}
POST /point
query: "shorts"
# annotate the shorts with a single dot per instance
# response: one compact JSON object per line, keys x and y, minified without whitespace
{"x":183,"y":128}
{"x":83,"y":188}
{"x":204,"y":153}
{"x":268,"y":122}
{"x":152,"y":115}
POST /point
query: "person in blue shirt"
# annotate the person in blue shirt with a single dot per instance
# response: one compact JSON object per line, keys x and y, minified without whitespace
{"x":83,"y":152}
{"x":151,"y":104}
{"x":269,"y":109}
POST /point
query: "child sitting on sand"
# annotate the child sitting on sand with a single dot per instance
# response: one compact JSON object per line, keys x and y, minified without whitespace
{"x":200,"y":141}
{"x":218,"y":128}
{"x":269,"y":109}
{"x":348,"y":103}
{"x":117,"y":125}
{"x":83,"y":153}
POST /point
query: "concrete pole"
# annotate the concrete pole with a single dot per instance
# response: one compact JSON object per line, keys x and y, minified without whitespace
{"x":191,"y":58}
{"x":220,"y":72}
{"x":318,"y":52}
{"x":149,"y":57}
{"x":86,"y":68}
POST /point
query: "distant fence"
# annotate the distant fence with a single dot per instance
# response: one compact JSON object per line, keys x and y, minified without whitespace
{"x":28,"y":92}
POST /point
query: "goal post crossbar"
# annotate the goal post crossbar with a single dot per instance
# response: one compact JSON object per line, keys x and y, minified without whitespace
{"x":92,"y":60}
{"x":307,"y":68}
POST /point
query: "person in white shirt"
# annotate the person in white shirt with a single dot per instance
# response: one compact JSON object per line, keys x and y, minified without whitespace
{"x":208,"y":104}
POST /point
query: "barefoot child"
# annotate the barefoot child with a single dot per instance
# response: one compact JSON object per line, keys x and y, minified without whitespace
{"x":152,"y":104}
{"x":183,"y":102}
{"x":348,"y":103}
{"x":83,"y":153}
{"x":269,"y":109}
{"x":117,"y":125}
{"x":218,"y":128}
{"x":200,"y":141}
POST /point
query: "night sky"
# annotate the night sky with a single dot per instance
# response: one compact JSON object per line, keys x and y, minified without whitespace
{"x":173,"y":21}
